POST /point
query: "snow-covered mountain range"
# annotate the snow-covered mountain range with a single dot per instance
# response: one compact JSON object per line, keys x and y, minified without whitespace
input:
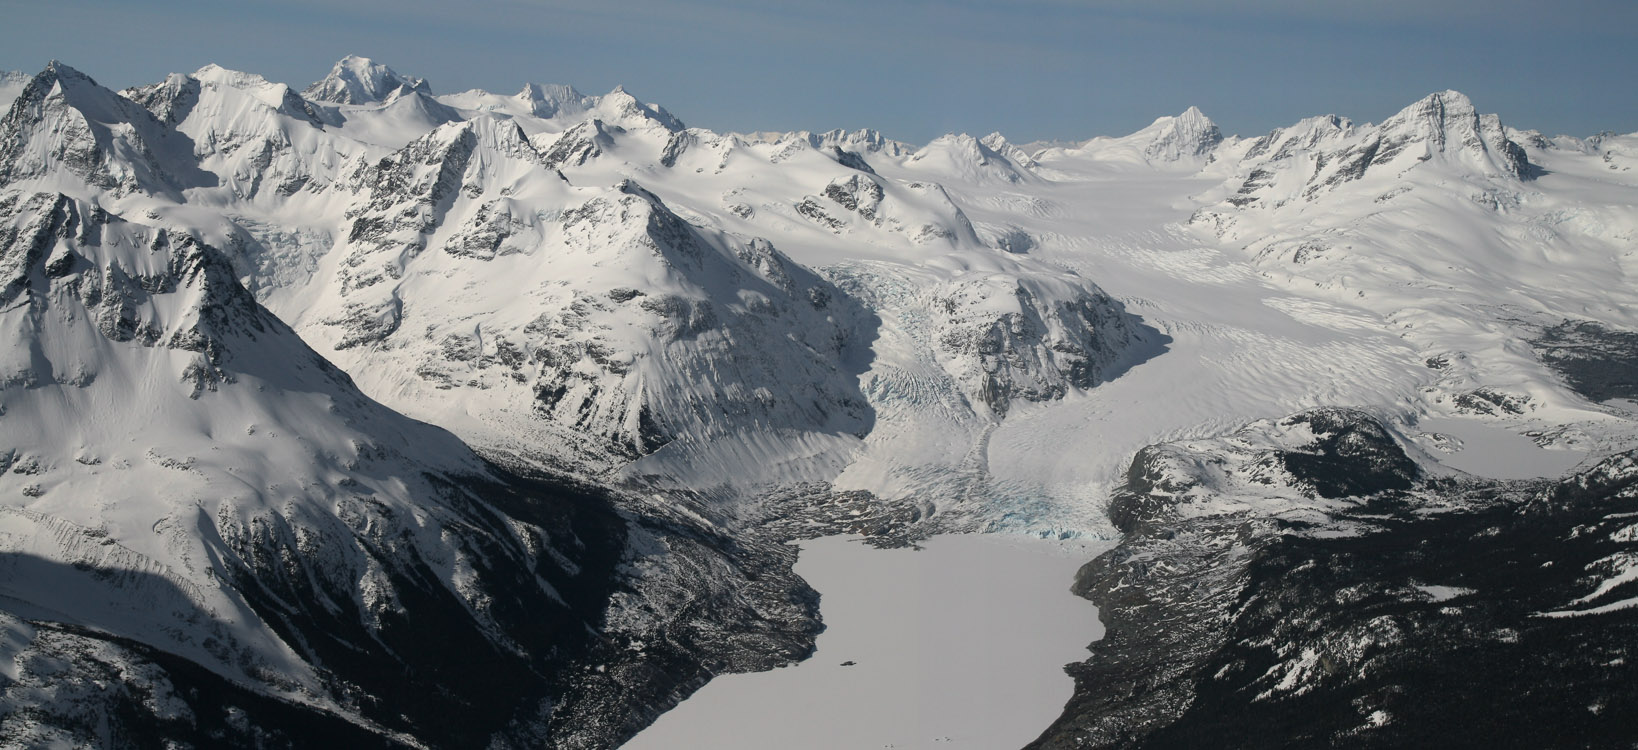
{"x":286,"y":372}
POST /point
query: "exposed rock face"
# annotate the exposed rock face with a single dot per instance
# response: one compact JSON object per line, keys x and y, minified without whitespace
{"x":622,"y":400}
{"x":865,"y":141}
{"x":211,"y":519}
{"x":1446,"y":124}
{"x":1303,"y":581}
{"x":851,"y":160}
{"x":1009,"y":338}
{"x":1598,"y":362}
{"x":1189,"y":135}
{"x":858,"y":193}
{"x":260,"y":138}
{"x":64,"y":122}
{"x":579,"y":144}
{"x":49,"y":248}
{"x":389,"y":532}
{"x":1311,"y":159}
{"x":405,"y":196}
{"x":719,"y":326}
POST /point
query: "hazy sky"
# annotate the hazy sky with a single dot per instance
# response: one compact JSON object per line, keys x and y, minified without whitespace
{"x":1033,"y":69}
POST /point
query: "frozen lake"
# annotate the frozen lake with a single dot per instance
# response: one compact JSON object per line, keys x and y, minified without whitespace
{"x":1492,"y":451}
{"x":960,"y":644}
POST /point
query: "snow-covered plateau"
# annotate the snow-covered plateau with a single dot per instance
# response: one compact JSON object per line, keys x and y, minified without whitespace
{"x":363,"y":412}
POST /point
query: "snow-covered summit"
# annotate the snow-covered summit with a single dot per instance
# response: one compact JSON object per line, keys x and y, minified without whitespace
{"x":1189,"y":135}
{"x":968,"y":159}
{"x":1016,"y":154}
{"x":619,"y":106}
{"x":549,"y":100}
{"x":360,"y":80}
{"x":174,"y":98}
{"x":1442,"y":137}
{"x":1185,"y":140}
{"x":865,"y":140}
{"x":1446,"y":125}
{"x":65,"y":126}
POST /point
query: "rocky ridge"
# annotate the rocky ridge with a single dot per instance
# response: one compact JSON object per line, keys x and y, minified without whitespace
{"x":1305,"y":580}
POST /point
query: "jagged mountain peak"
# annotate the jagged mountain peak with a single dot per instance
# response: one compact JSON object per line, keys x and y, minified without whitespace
{"x":58,"y":76}
{"x":1328,"y":123}
{"x":64,"y":123}
{"x":1439,"y":104}
{"x":1308,"y":133}
{"x":998,"y":143}
{"x":360,"y":80}
{"x":1185,"y":139}
{"x":864,"y":140}
{"x":262,"y":516}
{"x":1315,"y":157}
{"x":1433,"y":116}
{"x":1186,"y":135}
{"x":1450,"y":126}
{"x":58,"y":68}
{"x":1194,"y":115}
{"x":491,"y":136}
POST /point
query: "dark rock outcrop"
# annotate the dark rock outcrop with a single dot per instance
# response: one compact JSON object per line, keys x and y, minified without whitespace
{"x":1406,"y":611}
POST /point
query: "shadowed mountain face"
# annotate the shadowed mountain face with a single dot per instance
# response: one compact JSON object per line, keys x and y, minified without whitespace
{"x":1600,"y":363}
{"x":1393,"y":611}
{"x":228,"y":498}
{"x":424,"y":670}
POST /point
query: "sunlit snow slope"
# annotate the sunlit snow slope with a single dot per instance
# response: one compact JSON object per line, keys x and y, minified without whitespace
{"x":981,"y":330}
